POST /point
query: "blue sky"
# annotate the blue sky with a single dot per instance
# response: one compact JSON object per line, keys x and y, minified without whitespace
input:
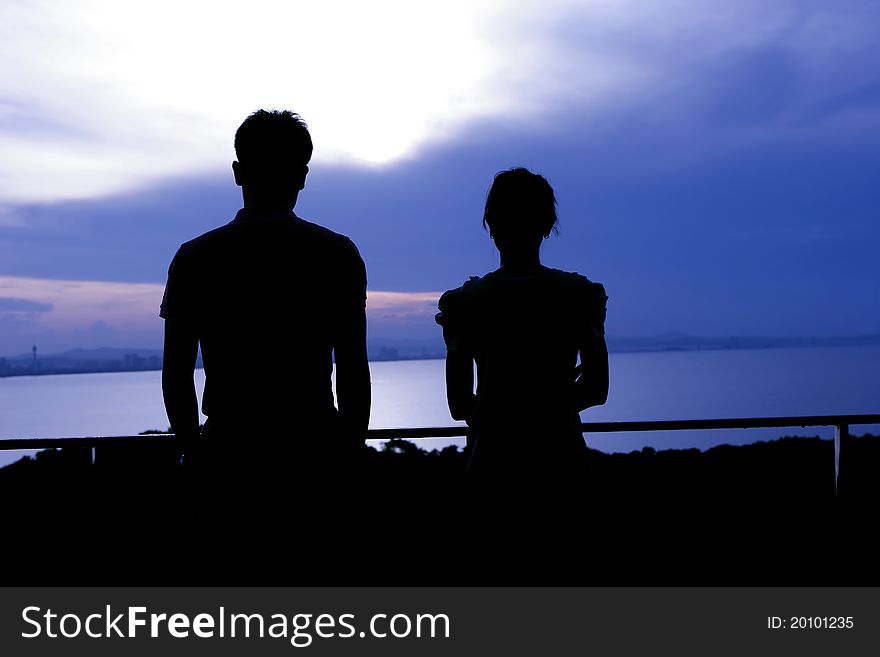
{"x":716,"y":163}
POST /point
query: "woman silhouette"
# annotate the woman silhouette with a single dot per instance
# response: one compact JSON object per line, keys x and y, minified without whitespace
{"x":526,"y":326}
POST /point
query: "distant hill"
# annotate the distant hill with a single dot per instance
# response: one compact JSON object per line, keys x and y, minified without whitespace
{"x":78,"y":355}
{"x":400,"y":349}
{"x":106,"y":354}
{"x":385,"y":349}
{"x":78,"y":361}
{"x":684,"y":342}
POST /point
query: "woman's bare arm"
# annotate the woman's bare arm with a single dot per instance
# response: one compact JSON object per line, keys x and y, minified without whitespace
{"x":591,"y":385}
{"x":460,"y":385}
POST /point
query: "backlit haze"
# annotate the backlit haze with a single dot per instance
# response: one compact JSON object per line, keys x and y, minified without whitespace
{"x":716,"y":163}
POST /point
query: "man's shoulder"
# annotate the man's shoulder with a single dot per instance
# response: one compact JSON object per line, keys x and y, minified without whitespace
{"x":305,"y":234}
{"x":323,"y":235}
{"x":207,"y":241}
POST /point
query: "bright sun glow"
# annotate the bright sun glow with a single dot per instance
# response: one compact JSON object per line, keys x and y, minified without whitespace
{"x":102,"y":94}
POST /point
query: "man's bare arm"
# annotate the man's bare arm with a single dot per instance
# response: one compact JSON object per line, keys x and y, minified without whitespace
{"x":178,"y":387}
{"x":353,"y":393}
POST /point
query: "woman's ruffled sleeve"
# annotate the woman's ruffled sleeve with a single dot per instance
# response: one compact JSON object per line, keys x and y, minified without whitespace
{"x":595,"y":303}
{"x":453,"y":317}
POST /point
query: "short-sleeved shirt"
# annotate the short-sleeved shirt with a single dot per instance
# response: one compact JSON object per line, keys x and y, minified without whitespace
{"x":524,"y":334}
{"x":267,"y":295}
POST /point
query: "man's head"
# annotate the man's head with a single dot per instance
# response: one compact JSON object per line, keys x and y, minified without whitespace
{"x":273,"y":150}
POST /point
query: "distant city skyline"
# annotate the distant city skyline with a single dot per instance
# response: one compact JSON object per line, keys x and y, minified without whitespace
{"x":715,"y":163}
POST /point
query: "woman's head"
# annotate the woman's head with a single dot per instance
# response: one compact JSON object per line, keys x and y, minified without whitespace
{"x":520,"y":207}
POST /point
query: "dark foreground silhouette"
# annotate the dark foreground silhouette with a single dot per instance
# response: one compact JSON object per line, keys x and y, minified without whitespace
{"x":537,"y":338}
{"x":268,"y":281}
{"x":762,"y":514}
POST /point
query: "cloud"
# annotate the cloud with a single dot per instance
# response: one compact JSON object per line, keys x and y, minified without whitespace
{"x":11,"y":304}
{"x":727,"y":152}
{"x":738,"y":237}
{"x":389,"y":304}
{"x":80,"y":313}
{"x":102,"y":330}
{"x":64,"y":314}
{"x":107,"y":96}
{"x":20,"y":316}
{"x":402,"y":315}
{"x":864,"y":98}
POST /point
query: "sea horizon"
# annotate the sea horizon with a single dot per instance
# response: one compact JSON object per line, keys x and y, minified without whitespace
{"x":645,"y":386}
{"x":149,"y":359}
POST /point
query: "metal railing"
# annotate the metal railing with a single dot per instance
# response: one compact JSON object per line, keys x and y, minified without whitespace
{"x":841,"y":424}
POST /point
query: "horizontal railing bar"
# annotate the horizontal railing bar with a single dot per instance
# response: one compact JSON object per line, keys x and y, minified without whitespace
{"x":86,"y":441}
{"x":462,"y":431}
{"x":732,"y":423}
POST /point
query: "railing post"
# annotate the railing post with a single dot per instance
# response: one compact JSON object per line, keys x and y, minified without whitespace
{"x":841,"y":439}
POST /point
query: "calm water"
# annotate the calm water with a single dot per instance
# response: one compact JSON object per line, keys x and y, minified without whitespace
{"x":644,"y":386}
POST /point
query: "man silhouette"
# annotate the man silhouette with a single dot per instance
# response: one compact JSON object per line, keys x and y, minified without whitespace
{"x":271,"y":299}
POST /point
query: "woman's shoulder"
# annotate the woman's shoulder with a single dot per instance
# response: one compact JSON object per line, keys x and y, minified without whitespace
{"x":580,"y":285}
{"x":455,"y":302}
{"x":460,"y":294}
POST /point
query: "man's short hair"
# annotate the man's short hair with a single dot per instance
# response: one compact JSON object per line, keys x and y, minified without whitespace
{"x":271,"y":136}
